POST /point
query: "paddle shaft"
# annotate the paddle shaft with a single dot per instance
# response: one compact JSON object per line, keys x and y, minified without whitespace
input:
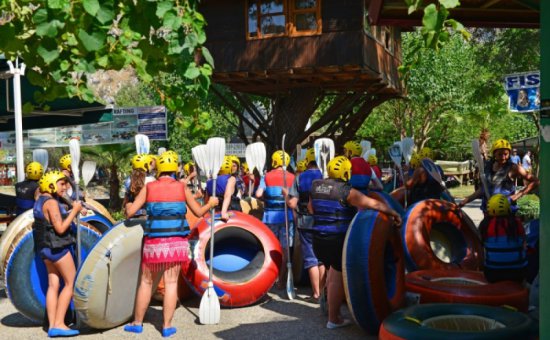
{"x":212,"y":232}
{"x":289,"y":280}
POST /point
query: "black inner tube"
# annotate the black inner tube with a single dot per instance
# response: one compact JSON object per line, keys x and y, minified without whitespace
{"x":241,"y":245}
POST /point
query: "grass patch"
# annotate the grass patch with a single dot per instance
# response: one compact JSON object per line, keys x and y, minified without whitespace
{"x":462,"y":191}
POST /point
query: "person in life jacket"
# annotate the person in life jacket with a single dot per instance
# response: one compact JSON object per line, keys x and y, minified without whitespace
{"x":66,"y":168}
{"x":271,"y":190}
{"x":298,"y":199}
{"x":251,"y":179}
{"x":504,"y":241}
{"x":236,"y":172}
{"x":226,"y":188}
{"x":420,"y":185}
{"x":27,"y":191}
{"x":301,"y":166}
{"x":501,"y":175}
{"x":54,"y":239}
{"x":137,"y":180}
{"x":361,"y":172}
{"x":333,"y":203}
{"x":192,"y":180}
{"x":165,"y":244}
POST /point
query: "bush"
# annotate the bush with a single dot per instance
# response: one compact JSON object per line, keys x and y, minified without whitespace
{"x":529,"y":207}
{"x":118,"y":215}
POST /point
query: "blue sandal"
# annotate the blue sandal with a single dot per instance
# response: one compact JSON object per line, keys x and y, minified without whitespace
{"x":133,"y":328}
{"x":58,"y":332}
{"x":168,"y":332}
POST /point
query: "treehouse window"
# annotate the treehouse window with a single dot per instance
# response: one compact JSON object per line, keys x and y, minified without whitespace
{"x":283,"y":17}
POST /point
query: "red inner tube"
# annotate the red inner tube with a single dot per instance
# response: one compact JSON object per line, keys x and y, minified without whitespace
{"x":464,"y":286}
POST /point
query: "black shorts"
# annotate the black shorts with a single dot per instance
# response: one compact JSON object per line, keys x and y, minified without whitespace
{"x":512,"y":274}
{"x":328,"y":249}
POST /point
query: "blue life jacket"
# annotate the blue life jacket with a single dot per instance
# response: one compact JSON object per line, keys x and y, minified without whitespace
{"x":274,"y":208}
{"x":24,"y":195}
{"x":501,"y":251}
{"x":221,"y":185}
{"x":331,"y":212}
{"x":166,"y":208}
{"x":44,"y":233}
{"x":499,"y":183}
{"x":305,"y":179}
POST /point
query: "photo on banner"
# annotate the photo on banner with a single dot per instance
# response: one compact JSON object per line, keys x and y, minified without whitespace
{"x":523,"y":91}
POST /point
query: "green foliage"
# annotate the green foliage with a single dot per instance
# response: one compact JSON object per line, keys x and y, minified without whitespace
{"x":63,"y":41}
{"x":529,"y":207}
{"x":118,"y":215}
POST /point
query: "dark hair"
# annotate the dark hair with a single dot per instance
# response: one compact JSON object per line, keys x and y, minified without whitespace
{"x":137,"y":181}
{"x":509,"y":223}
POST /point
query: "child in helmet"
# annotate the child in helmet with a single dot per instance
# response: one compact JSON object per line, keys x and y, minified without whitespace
{"x":227,"y":188}
{"x":361,"y":172}
{"x":137,"y":180}
{"x":505,"y":243}
{"x":54,"y":239}
{"x":27,"y":191}
{"x":333,"y":204}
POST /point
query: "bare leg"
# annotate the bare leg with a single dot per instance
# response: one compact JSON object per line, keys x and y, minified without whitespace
{"x":336,"y":295}
{"x":52,"y":293}
{"x":170,"y":301}
{"x":143,"y":296}
{"x":65,"y":267}
{"x":314,"y":279}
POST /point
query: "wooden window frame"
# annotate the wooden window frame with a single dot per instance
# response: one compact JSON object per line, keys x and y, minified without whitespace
{"x":289,"y":13}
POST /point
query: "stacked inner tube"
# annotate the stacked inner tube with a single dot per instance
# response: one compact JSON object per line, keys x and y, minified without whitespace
{"x":373,"y":269}
{"x":463,"y":286}
{"x":457,"y":322}
{"x":99,"y":208}
{"x":26,"y":275}
{"x":438,"y":235}
{"x":399,"y":195}
{"x":246,"y":259}
{"x":388,"y":199}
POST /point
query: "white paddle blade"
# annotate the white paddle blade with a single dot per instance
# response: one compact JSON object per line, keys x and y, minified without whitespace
{"x":372,"y":152}
{"x":407,"y":146}
{"x":160,"y":151}
{"x":476,"y":150}
{"x":74,"y":149}
{"x":250,"y":158}
{"x":88,"y":171}
{"x":142,"y":144}
{"x":257,"y":155}
{"x":395,"y":153}
{"x":209,"y":309}
{"x":324,"y":152}
{"x":216,"y":153}
{"x":365,"y":144}
{"x":41,"y":156}
{"x":200,"y":155}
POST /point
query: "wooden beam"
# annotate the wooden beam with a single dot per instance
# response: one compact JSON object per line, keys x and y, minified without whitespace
{"x":490,"y":3}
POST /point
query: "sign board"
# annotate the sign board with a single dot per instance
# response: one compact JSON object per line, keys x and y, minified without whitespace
{"x":523,"y":91}
{"x":237,"y":149}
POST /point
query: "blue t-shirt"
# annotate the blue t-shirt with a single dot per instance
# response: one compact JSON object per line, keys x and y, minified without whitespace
{"x":515,"y":159}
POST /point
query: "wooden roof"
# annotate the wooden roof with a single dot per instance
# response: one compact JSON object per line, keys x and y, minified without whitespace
{"x":473,"y":13}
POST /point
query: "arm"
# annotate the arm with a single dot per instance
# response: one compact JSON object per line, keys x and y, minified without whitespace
{"x":195,"y":207}
{"x":477,"y":194}
{"x":229,"y":190}
{"x":139,"y":201}
{"x":533,"y":182}
{"x":310,"y":206}
{"x":52,"y":213}
{"x":415,"y":179}
{"x":357,"y":199}
{"x":292,"y":194}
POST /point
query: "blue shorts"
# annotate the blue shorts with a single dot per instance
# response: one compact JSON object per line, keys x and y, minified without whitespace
{"x":53,"y":255}
{"x":279,"y":229}
{"x":306,"y":245}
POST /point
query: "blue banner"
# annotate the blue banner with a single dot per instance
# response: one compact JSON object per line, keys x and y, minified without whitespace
{"x":523,"y":91}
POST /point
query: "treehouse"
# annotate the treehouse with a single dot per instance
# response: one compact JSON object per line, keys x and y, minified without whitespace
{"x":297,"y":51}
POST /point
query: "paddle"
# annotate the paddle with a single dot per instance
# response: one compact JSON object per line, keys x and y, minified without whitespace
{"x":324,"y":152}
{"x":142,"y":144}
{"x":481,"y":165}
{"x":396,"y":155}
{"x":74,"y":149}
{"x":365,"y":144}
{"x":41,"y":156}
{"x":160,"y":151}
{"x":289,"y":278}
{"x":433,"y":171}
{"x":255,"y":158}
{"x":209,"y":310}
{"x":88,"y":171}
{"x":200,"y":155}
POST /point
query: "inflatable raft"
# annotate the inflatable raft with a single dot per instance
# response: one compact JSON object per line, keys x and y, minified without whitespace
{"x":246,"y":259}
{"x":373,"y":269}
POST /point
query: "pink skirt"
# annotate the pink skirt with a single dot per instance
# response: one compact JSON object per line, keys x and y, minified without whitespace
{"x":160,"y":253}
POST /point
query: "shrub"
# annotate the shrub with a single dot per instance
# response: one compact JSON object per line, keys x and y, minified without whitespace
{"x":529,"y":207}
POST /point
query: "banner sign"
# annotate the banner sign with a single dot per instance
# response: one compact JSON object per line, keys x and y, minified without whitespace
{"x":523,"y":91}
{"x":126,"y":123}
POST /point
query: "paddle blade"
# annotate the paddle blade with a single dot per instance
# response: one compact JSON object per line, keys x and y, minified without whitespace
{"x":433,"y":171}
{"x":290,"y":293}
{"x":365,"y":144}
{"x":200,"y":155}
{"x":407,"y":146}
{"x":209,"y":309}
{"x":74,"y":149}
{"x":41,"y":156}
{"x":476,"y":150}
{"x":88,"y":171}
{"x":160,"y":151}
{"x":372,"y":152}
{"x":395,"y":153}
{"x":216,"y":153}
{"x":255,"y":156}
{"x":324,"y":152}
{"x":142,"y":144}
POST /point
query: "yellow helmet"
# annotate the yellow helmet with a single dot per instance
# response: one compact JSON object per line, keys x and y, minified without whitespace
{"x":187,"y":168}
{"x":277,"y":159}
{"x":34,"y":171}
{"x":415,"y":160}
{"x":373,"y":160}
{"x":245,"y":168}
{"x":498,"y":205}
{"x":426,"y":152}
{"x":310,"y":155}
{"x":235,"y":159}
{"x":172,"y":154}
{"x":166,"y":163}
{"x":501,"y":144}
{"x":339,"y":168}
{"x":65,"y":162}
{"x":48,"y":182}
{"x":302,"y":165}
{"x":353,"y":149}
{"x":225,"y":168}
{"x":141,"y":161}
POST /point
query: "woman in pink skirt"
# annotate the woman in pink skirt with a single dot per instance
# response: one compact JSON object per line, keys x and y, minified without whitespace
{"x":165,"y":246}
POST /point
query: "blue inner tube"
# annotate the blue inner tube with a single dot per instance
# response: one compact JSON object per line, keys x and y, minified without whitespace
{"x":465,"y":321}
{"x":238,"y":255}
{"x":27,"y":277}
{"x":100,"y":222}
